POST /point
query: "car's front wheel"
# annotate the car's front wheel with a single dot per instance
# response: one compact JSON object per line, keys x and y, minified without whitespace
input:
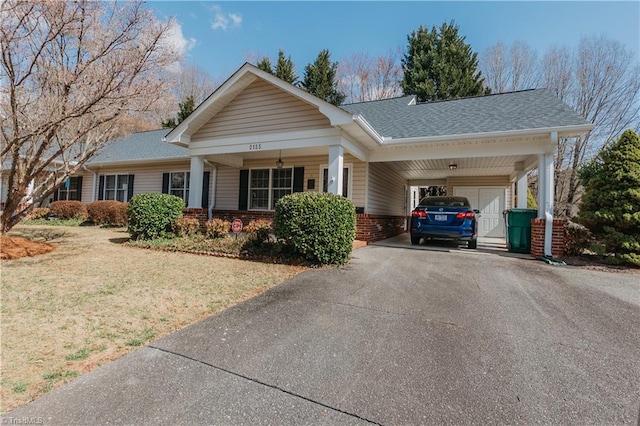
{"x":472,"y":244}
{"x":415,"y":240}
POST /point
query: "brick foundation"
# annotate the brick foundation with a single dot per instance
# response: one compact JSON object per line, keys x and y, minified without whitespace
{"x":537,"y":238}
{"x":369,"y":227}
{"x":373,"y":227}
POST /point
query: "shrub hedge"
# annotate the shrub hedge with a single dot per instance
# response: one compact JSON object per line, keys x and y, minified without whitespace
{"x":217,"y":228}
{"x":38,"y":213}
{"x":258,"y":230}
{"x":151,"y":215}
{"x":319,"y":227}
{"x":69,"y":210}
{"x":186,"y":226}
{"x":108,"y":212}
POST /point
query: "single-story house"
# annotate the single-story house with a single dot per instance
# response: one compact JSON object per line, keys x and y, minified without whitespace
{"x":258,"y":138}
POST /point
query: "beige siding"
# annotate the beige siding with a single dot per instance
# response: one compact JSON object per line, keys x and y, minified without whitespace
{"x":228,"y":181}
{"x":262,"y":108}
{"x":386,"y":192}
{"x":147,"y":178}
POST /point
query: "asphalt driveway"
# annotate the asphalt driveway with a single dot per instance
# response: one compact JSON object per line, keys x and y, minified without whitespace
{"x":398,"y":336}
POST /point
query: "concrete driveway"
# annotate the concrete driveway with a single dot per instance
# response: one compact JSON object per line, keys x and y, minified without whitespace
{"x":398,"y":336}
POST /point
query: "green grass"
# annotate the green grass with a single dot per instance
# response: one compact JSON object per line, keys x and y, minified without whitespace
{"x":55,"y":222}
{"x":79,"y":354}
{"x":143,"y":337}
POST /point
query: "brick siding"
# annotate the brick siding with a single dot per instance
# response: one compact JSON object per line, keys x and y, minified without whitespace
{"x":537,"y":238}
{"x":369,"y":227}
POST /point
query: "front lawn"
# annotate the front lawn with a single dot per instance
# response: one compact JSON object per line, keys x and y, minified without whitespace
{"x":94,"y":299}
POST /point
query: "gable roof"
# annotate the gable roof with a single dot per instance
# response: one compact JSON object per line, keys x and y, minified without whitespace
{"x":530,"y":109}
{"x":139,"y":147}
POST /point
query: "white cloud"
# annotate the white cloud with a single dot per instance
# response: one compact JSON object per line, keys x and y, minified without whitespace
{"x":223,"y":20}
{"x":178,"y":41}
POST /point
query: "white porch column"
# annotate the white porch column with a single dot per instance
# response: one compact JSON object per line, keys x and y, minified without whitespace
{"x":541,"y":186}
{"x":336,"y":167}
{"x":546,"y":169}
{"x":521,"y":202}
{"x":195,"y":182}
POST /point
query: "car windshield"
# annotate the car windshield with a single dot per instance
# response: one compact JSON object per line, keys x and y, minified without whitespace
{"x":444,"y":202}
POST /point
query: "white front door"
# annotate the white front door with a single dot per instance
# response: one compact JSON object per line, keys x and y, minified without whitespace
{"x":491,"y":202}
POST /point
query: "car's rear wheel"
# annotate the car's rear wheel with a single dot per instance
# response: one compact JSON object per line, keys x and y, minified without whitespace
{"x":472,"y":244}
{"x":415,"y":240}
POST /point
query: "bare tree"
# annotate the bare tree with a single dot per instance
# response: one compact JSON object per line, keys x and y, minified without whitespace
{"x":365,"y":78}
{"x":195,"y":82}
{"x":509,"y":68}
{"x":605,"y":92}
{"x":71,"y":73}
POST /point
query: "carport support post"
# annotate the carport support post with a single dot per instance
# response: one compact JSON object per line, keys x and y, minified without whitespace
{"x":336,"y":165}
{"x":521,"y":202}
{"x":195,"y":182}
{"x":546,"y":193}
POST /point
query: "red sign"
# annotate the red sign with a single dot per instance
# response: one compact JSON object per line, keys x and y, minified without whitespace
{"x":236,"y":226}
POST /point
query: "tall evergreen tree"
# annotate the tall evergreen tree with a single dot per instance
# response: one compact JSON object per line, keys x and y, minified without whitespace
{"x":611,"y":204}
{"x":438,"y":65}
{"x":285,"y":69}
{"x":186,"y":107}
{"x":265,"y":65}
{"x":320,"y":79}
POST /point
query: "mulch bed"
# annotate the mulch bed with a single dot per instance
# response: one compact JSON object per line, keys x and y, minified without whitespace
{"x":16,"y":247}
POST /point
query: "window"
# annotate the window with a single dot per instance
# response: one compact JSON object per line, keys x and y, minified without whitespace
{"x":116,"y":187}
{"x":179,"y":185}
{"x":267,"y":186}
{"x":70,"y":189}
{"x":345,"y":180}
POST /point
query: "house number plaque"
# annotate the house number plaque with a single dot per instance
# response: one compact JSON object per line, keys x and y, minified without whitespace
{"x":255,"y":147}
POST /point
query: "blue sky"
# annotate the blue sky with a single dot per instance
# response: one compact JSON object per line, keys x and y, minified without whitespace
{"x":221,"y":36}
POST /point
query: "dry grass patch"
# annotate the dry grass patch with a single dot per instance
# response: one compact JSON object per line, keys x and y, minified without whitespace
{"x":92,"y":300}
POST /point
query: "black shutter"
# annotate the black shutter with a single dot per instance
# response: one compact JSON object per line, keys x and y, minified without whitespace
{"x":243,"y":197}
{"x":55,"y":194}
{"x":165,"y":183}
{"x":130,"y":188}
{"x":101,"y":188}
{"x":205,"y":189}
{"x":79,"y":188}
{"x":298,"y":179}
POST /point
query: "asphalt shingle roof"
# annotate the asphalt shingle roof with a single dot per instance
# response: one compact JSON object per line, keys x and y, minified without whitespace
{"x":522,"y":110}
{"x":139,"y":146}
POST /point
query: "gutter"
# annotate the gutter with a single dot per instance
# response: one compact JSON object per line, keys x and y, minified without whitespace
{"x":140,"y":161}
{"x":364,"y":125}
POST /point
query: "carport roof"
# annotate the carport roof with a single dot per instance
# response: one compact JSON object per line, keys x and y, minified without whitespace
{"x":529,"y":109}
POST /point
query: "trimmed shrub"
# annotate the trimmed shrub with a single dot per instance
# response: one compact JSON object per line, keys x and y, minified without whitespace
{"x":217,"y":228}
{"x":108,"y":212}
{"x":610,"y":207}
{"x":186,"y":226}
{"x":69,"y":210}
{"x":151,"y":215}
{"x":577,"y":239}
{"x":38,"y":213}
{"x":319,"y":227}
{"x":258,"y":230}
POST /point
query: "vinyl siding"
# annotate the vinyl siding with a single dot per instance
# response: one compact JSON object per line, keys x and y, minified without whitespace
{"x":262,"y":108}
{"x":147,"y":178}
{"x":386,"y":191}
{"x":228,"y":181}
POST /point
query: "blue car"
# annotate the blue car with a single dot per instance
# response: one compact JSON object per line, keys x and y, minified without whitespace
{"x":447,"y":218}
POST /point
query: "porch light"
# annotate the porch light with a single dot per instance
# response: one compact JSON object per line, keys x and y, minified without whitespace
{"x":453,"y":166}
{"x":279,"y":163}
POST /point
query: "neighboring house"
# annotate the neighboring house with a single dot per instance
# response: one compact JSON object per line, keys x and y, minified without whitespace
{"x":258,"y":138}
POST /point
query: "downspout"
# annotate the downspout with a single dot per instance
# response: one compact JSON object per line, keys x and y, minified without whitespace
{"x":93,"y":187}
{"x":212,"y":192}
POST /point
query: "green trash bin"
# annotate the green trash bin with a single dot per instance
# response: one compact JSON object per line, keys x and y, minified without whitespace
{"x":518,"y":223}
